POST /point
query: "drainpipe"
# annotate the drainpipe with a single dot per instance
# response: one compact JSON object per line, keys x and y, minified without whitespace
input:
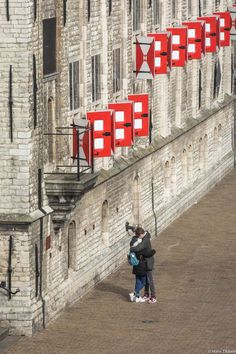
{"x":41,"y":245}
{"x":9,"y":270}
{"x":153,"y":208}
{"x":3,"y":284}
{"x":41,"y":273}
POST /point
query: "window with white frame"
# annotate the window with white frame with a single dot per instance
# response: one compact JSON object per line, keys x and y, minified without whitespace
{"x":96,"y":77}
{"x":136,"y":15}
{"x":116,"y":78}
{"x":74,"y":85}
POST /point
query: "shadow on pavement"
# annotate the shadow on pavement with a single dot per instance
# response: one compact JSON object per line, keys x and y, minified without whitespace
{"x":111,"y":288}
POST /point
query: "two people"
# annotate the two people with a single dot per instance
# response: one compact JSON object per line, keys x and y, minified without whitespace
{"x":141,"y":245}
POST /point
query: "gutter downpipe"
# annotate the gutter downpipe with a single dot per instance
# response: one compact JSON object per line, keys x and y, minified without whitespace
{"x":9,"y":270}
{"x":41,"y":246}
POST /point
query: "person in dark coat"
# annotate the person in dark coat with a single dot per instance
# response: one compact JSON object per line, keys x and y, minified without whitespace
{"x":141,"y":245}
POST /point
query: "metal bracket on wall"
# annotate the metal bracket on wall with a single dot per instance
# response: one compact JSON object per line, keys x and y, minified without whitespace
{"x":80,"y":169}
{"x":3,"y":286}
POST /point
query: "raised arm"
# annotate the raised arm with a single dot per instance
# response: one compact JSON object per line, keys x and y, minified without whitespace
{"x":139,"y":247}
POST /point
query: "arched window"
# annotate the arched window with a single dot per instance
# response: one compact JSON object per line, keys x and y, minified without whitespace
{"x":51,"y":129}
{"x":201,"y":155}
{"x":167,"y":179}
{"x":215,"y":146}
{"x":136,"y":200}
{"x":220,"y":145}
{"x":205,"y":152}
{"x":173,"y":176}
{"x":105,"y":223}
{"x":185,"y":168}
{"x":220,"y":132}
{"x":217,"y":79}
{"x":72,"y":261}
{"x":190,"y":163}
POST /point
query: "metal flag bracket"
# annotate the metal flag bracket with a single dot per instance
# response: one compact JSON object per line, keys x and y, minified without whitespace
{"x":80,"y":130}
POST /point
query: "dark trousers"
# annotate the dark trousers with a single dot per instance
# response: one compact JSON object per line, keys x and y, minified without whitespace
{"x":150,"y":284}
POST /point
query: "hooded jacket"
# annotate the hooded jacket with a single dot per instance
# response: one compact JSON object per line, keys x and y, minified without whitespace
{"x":143,"y":246}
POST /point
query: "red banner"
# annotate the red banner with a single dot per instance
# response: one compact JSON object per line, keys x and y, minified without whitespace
{"x":212,"y":33}
{"x":225,"y":25}
{"x":141,"y":114}
{"x":196,"y":39}
{"x":123,"y":122}
{"x":103,"y":127}
{"x":163,"y":52}
{"x":179,"y":45}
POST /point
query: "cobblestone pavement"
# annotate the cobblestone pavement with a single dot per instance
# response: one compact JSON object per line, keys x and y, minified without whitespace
{"x":196,"y":309}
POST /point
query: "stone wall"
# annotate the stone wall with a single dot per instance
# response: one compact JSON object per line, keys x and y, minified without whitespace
{"x":162,"y":196}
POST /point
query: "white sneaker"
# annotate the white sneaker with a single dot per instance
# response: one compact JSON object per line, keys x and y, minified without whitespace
{"x":139,"y":299}
{"x":132,"y":297}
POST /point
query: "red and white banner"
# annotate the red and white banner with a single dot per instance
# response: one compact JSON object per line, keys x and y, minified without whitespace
{"x":163,"y":52}
{"x":225,"y":28}
{"x":102,"y":124}
{"x":144,"y":57}
{"x":82,"y":131}
{"x":141,"y":114}
{"x":196,"y":39}
{"x":212,"y":28}
{"x":123,"y":122}
{"x":179,"y":45}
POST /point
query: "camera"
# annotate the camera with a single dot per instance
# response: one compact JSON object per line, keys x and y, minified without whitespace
{"x":129,"y":227}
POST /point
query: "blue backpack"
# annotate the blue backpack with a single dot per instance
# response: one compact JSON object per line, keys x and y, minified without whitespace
{"x":132,"y":259}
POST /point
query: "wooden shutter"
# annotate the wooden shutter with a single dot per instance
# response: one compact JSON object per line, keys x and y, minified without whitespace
{"x":49,"y":46}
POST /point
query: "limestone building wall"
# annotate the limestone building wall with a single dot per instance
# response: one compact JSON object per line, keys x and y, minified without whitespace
{"x":149,"y":184}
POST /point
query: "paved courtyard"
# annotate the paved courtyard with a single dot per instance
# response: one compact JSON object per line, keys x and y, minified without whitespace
{"x":196,"y":309}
